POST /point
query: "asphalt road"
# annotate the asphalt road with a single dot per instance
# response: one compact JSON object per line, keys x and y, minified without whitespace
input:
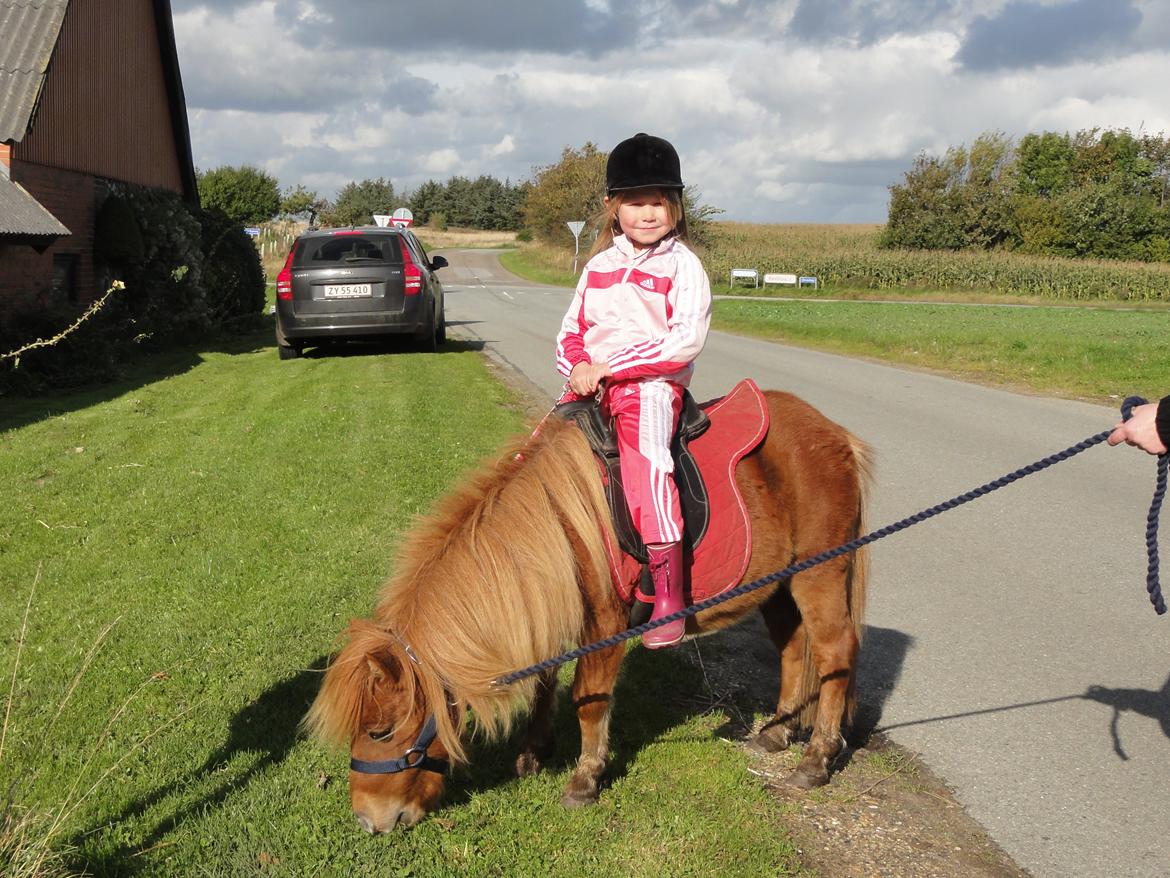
{"x":1010,"y":642}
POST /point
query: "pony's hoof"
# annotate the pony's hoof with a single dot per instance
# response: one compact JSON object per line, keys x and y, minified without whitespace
{"x":804,"y":779}
{"x":528,"y":764}
{"x":578,"y":799}
{"x":770,"y":742}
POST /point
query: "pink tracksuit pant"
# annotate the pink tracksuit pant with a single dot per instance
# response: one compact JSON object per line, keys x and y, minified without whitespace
{"x":646,"y":413}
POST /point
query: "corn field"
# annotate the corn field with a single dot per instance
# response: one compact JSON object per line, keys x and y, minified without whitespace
{"x":847,"y":256}
{"x":274,"y":241}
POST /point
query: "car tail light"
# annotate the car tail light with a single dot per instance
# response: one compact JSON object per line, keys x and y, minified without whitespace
{"x":410,"y":273}
{"x":284,"y":279}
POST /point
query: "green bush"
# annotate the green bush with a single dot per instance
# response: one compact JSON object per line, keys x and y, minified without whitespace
{"x":90,"y":354}
{"x":438,"y":221}
{"x":524,"y":235}
{"x":117,"y":237}
{"x":232,"y":275}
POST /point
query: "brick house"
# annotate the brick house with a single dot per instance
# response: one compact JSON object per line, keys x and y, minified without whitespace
{"x":89,"y":91}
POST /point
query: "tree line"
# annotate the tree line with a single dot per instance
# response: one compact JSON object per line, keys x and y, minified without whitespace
{"x":569,"y":189}
{"x":1100,"y":194}
{"x":251,"y":196}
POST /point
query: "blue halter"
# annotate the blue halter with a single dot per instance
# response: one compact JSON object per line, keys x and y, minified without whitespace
{"x":415,"y":757}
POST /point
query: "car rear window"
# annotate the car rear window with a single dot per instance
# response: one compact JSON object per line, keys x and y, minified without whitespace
{"x":347,"y":249}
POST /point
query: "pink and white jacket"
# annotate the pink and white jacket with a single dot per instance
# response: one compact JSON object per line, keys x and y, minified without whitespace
{"x":644,"y":312}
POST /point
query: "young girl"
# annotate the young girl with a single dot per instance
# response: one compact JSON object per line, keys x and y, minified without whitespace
{"x":637,"y":321}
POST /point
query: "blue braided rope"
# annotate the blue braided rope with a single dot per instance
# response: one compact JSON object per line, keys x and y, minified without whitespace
{"x":1153,"y":586}
{"x":1003,"y":481}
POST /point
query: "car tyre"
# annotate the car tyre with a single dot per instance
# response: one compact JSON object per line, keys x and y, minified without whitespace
{"x":283,"y":348}
{"x":441,"y":332}
{"x":428,"y":342}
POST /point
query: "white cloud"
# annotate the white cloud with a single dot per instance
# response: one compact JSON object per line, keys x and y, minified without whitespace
{"x":444,"y":161}
{"x":771,"y":124}
{"x":506,"y":146}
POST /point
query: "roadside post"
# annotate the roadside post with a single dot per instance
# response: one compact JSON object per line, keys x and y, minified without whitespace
{"x":575,"y":226}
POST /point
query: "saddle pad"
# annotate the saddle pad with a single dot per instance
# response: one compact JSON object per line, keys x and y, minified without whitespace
{"x":739,"y":421}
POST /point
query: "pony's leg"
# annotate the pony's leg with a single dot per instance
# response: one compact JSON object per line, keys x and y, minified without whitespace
{"x":821,"y":597}
{"x":787,"y":634}
{"x":592,"y":699}
{"x":539,"y":744}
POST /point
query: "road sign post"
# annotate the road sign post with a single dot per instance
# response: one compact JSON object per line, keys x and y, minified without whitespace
{"x":575,"y":226}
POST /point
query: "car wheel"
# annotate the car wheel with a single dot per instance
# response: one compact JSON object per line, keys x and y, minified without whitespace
{"x":287,"y":351}
{"x":441,"y":332}
{"x":428,"y":342}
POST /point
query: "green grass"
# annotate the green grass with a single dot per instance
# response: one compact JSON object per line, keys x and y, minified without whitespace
{"x":543,"y":265}
{"x":1099,"y":350}
{"x":1085,"y":352}
{"x":227,"y":514}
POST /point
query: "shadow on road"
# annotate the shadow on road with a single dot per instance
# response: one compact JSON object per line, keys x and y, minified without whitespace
{"x":1144,"y":702}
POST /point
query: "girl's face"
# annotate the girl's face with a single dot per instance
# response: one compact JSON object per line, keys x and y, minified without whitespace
{"x":644,"y":217}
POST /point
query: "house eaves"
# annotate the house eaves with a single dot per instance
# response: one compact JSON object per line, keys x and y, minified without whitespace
{"x":21,"y":215}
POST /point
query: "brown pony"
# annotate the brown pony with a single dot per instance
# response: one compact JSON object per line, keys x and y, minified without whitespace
{"x":511,"y":569}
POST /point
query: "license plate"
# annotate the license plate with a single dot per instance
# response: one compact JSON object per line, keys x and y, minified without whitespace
{"x":348,"y":291}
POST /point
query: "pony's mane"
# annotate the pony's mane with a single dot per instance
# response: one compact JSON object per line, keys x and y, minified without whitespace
{"x":488,"y":581}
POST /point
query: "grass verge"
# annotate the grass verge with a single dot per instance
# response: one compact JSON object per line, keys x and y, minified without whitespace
{"x":1099,"y":351}
{"x":231,"y":512}
{"x":1097,"y":354}
{"x":546,"y":265}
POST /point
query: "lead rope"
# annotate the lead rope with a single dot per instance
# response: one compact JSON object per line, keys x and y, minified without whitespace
{"x":1152,"y":583}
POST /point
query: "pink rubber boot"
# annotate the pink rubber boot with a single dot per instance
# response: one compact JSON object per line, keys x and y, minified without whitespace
{"x":666,"y":570}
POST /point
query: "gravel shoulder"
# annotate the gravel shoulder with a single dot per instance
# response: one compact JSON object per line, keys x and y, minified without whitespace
{"x":883,"y":813}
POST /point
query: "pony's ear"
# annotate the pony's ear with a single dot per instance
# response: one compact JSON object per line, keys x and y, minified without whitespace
{"x":383,"y":667}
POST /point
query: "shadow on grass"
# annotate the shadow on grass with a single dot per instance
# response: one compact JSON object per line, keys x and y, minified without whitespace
{"x":21,"y":411}
{"x":327,"y":350}
{"x":661,"y":690}
{"x":17,"y":411}
{"x":264,"y":730}
{"x":653,"y":696}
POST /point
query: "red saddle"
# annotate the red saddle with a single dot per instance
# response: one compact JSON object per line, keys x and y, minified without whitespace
{"x":739,"y":422}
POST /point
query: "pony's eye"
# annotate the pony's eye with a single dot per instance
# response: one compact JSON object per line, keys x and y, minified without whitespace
{"x":380,"y":735}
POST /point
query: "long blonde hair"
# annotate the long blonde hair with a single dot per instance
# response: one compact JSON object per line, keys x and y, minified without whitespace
{"x":607,"y":220}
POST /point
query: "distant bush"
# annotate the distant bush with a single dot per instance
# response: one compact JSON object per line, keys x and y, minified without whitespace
{"x":247,"y":194}
{"x":524,"y":235}
{"x":438,"y":221}
{"x":1098,"y":195}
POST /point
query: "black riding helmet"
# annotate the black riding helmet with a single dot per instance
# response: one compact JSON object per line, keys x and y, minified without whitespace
{"x":640,"y":161}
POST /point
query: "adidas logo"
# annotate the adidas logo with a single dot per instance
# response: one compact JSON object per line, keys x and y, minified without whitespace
{"x":646,"y":283}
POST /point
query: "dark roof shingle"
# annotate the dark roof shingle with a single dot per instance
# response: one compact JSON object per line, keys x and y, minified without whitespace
{"x":30,"y":29}
{"x":21,"y":214}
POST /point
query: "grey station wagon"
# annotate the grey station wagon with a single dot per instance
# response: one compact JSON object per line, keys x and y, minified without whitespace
{"x":358,"y":284}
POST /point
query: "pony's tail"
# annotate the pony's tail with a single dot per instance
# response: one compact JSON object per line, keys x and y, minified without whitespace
{"x":855,"y":584}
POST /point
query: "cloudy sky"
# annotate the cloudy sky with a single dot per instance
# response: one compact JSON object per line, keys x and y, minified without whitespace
{"x":782,"y":110}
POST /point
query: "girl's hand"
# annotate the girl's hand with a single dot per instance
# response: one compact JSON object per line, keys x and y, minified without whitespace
{"x":585,"y":377}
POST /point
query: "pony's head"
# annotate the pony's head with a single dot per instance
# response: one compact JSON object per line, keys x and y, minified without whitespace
{"x":486,"y":583}
{"x":373,"y":701}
